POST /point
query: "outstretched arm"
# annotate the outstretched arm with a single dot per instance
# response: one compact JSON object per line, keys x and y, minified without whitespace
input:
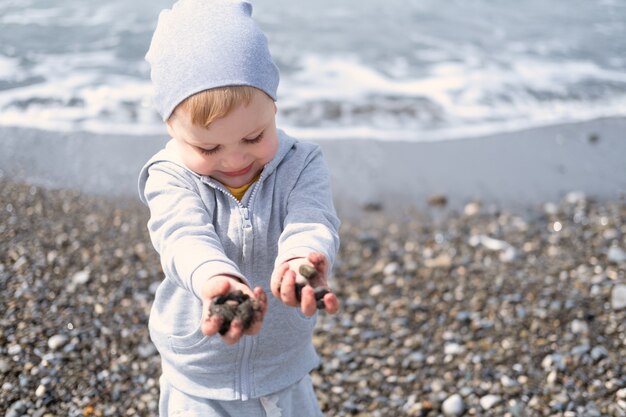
{"x":310,"y":236}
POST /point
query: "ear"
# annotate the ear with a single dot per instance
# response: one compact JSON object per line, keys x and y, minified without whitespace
{"x":275,"y":108}
{"x":170,"y":128}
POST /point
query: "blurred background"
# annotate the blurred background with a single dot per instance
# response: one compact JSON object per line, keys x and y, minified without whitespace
{"x":408,"y":70}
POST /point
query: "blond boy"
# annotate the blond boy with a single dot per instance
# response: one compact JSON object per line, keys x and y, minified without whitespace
{"x":235,"y":204}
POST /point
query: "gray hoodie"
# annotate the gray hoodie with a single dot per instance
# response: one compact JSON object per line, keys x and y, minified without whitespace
{"x":200,"y":230}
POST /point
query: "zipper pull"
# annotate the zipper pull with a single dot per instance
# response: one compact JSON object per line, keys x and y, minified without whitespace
{"x":246,"y":217}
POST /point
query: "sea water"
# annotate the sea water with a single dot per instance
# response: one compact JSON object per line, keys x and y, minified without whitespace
{"x":389,"y":70}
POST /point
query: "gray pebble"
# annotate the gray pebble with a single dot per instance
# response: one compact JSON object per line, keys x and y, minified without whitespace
{"x":616,"y":254}
{"x":618,"y":297}
{"x":599,"y":352}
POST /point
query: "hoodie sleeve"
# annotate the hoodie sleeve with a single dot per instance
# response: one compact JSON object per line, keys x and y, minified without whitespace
{"x":182,"y":231}
{"x":311,"y":223}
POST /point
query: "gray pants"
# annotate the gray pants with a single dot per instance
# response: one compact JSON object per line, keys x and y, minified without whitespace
{"x":298,"y":400}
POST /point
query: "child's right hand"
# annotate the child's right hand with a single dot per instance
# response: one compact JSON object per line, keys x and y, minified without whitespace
{"x":222,"y":285}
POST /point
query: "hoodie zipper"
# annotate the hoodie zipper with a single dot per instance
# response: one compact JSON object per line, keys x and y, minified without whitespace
{"x":246,"y":342}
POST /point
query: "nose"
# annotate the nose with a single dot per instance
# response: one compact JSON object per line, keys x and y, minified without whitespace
{"x":234,"y":161}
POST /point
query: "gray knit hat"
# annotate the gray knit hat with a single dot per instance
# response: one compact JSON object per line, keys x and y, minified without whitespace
{"x":204,"y":44}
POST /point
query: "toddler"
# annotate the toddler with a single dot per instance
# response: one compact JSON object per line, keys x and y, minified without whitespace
{"x":235,"y":205}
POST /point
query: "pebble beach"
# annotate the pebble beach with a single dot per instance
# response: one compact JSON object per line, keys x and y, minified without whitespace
{"x":469,"y":312}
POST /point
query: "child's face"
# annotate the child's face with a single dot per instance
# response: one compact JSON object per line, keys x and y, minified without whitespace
{"x":233,"y":149}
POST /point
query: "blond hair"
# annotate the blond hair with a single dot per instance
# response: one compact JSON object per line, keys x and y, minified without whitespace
{"x":209,"y":105}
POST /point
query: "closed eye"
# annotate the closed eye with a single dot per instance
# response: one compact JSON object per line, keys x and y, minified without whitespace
{"x":255,"y":139}
{"x":209,"y":151}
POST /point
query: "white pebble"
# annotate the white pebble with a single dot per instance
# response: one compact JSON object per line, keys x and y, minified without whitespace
{"x":376,"y":290}
{"x":57,"y":341}
{"x":453,"y":349}
{"x":553,"y":361}
{"x":508,"y":382}
{"x":552,"y":378}
{"x":81,"y":277}
{"x":471,"y":209}
{"x":618,"y":297}
{"x":453,"y":406}
{"x":41,"y":391}
{"x":616,"y":254}
{"x":489,"y":401}
{"x":508,"y":255}
{"x":580,"y":327}
{"x":14,"y":350}
{"x":391,"y":269}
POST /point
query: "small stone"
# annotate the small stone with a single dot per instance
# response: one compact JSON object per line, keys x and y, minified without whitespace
{"x":552,"y":378}
{"x":146,"y":350}
{"x":81,"y":277}
{"x":580,"y":327}
{"x":5,"y":366}
{"x":472,"y":209}
{"x":616,"y":255}
{"x":598,"y":353}
{"x":391,"y":269}
{"x":508,"y":255}
{"x":580,"y":350}
{"x":16,"y":409}
{"x":453,"y":349}
{"x":508,"y":382}
{"x":441,"y":261}
{"x":14,"y":350}
{"x":57,"y":341}
{"x":438,"y":200}
{"x":488,"y":401}
{"x":308,"y":271}
{"x":618,"y":297}
{"x":233,"y":305}
{"x":453,"y":406}
{"x":553,"y":361}
{"x":40,"y":391}
{"x":376,"y":290}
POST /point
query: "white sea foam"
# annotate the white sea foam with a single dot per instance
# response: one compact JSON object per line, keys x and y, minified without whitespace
{"x":423,"y":73}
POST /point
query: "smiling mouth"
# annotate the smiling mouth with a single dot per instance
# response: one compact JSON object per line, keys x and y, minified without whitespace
{"x":238,"y":173}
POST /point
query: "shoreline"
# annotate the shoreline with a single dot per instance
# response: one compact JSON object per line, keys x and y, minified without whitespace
{"x":510,"y":170}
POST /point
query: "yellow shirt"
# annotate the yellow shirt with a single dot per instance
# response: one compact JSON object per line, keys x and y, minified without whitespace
{"x":240,"y":191}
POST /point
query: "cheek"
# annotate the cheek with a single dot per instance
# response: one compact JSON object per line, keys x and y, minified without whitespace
{"x":197,"y":164}
{"x":268,"y":151}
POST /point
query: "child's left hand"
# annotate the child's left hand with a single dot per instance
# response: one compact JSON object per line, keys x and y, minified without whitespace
{"x":283,"y":284}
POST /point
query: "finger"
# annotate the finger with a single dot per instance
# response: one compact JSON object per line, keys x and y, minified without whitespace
{"x":288,"y":289}
{"x":319,"y":261}
{"x":277,"y":278}
{"x":261,"y":298}
{"x":234,"y":333}
{"x":308,"y":304}
{"x":257,"y":321}
{"x":332,"y":303}
{"x":211,"y":325}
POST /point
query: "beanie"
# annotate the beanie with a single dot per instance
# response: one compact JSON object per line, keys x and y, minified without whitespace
{"x":204,"y":44}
